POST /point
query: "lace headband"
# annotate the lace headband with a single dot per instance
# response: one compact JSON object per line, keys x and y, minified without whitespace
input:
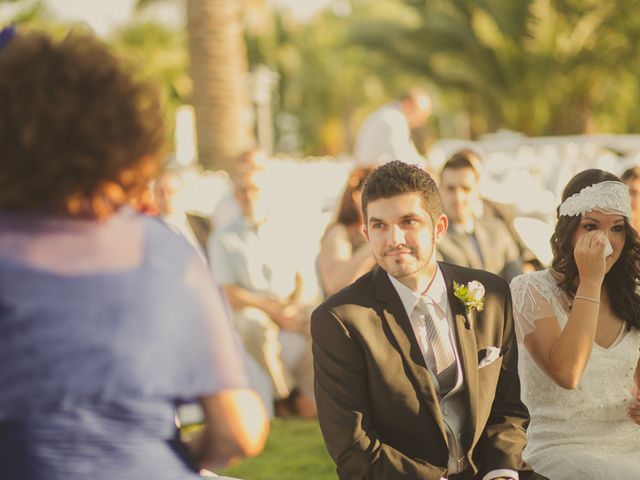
{"x":607,"y":197}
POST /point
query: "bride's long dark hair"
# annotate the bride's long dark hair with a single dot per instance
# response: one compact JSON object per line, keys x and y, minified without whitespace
{"x":622,"y":280}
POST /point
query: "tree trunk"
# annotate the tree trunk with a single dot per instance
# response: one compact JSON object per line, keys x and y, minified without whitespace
{"x":220,"y":80}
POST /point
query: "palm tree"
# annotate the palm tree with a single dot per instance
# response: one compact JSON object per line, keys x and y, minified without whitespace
{"x":220,"y":80}
{"x":219,"y":73}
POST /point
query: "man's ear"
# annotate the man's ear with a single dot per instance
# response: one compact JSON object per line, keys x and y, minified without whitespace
{"x":440,"y":227}
{"x":365,"y":231}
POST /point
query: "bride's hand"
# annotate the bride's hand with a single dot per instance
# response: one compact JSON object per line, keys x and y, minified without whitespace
{"x":633,"y":410}
{"x":589,"y":256}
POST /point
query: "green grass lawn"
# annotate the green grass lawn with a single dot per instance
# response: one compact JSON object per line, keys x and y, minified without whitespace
{"x":294,"y":451}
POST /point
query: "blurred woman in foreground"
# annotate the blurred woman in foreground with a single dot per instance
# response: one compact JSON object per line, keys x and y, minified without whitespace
{"x":108,"y":318}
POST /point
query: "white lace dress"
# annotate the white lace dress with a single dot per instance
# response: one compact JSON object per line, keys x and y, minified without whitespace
{"x":581,"y":434}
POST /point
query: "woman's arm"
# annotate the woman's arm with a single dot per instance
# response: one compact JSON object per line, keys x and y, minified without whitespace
{"x":338,"y":265}
{"x":236,"y":426}
{"x":564,"y":354}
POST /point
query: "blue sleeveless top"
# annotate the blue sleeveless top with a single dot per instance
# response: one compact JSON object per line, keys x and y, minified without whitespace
{"x":104,"y":328}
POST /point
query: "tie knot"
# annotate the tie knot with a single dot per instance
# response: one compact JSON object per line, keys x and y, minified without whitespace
{"x":423,"y":306}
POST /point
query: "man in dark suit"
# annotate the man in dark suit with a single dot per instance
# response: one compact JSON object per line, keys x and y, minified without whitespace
{"x":410,"y":382}
{"x":474,"y":239}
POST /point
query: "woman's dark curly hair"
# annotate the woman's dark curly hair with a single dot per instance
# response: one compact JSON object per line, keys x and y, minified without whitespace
{"x":622,"y":280}
{"x":79,"y":134}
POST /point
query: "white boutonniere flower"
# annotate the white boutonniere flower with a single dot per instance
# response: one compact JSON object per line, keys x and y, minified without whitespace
{"x":471,"y":295}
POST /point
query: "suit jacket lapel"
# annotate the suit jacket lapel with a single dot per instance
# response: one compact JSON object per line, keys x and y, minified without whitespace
{"x":467,"y":346}
{"x":400,"y":327}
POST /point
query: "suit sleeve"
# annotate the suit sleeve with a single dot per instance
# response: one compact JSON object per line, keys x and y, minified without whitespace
{"x":512,"y":260}
{"x":504,"y":436}
{"x":343,"y":412}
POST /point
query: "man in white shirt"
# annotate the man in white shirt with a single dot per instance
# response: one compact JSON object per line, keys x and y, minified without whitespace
{"x":265,"y":299}
{"x":385,"y":135}
{"x":416,"y":361}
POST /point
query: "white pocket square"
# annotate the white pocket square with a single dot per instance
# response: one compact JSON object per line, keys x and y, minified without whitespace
{"x":492,"y":354}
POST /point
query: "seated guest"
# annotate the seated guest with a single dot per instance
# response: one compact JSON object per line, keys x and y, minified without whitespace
{"x":109,"y":319}
{"x":344,"y":252}
{"x":472,"y":241}
{"x":165,"y":190}
{"x":579,"y":326}
{"x":228,"y":210}
{"x":264,"y":296}
{"x":503,"y":212}
{"x":631,"y":177}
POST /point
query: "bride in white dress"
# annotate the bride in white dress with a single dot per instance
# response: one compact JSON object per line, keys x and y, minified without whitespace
{"x":579,"y":324}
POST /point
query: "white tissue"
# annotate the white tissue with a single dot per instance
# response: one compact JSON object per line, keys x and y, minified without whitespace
{"x":608,"y":249}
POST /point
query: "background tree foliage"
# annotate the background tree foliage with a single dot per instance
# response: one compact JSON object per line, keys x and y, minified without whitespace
{"x":328,"y":82}
{"x":161,"y":54}
{"x":541,"y":67}
{"x":536,"y":66}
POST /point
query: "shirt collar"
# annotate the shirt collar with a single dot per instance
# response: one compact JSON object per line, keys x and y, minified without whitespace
{"x":467,"y":227}
{"x":436,"y":293}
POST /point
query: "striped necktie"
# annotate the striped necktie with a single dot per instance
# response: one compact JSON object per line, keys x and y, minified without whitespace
{"x":441,"y":350}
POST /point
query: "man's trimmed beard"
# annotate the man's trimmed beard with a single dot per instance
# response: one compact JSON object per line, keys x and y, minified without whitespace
{"x":421,"y":263}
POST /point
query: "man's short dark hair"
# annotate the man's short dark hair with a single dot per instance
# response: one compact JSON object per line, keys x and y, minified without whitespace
{"x":465,"y":158}
{"x":397,"y":178}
